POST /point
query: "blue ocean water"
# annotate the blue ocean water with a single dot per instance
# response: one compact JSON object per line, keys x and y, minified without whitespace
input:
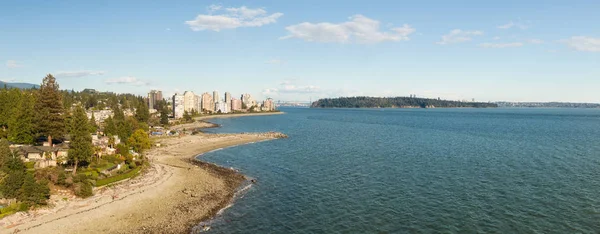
{"x":417,"y":171}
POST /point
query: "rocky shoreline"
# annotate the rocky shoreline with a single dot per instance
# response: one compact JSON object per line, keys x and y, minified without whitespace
{"x":185,"y":193}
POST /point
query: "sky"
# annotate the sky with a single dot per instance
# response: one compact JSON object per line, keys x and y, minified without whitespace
{"x":304,"y":50}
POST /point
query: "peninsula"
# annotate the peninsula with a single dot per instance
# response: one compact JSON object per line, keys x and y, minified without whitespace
{"x":396,"y":102}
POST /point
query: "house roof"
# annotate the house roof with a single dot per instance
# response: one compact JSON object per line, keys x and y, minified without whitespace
{"x":40,"y":149}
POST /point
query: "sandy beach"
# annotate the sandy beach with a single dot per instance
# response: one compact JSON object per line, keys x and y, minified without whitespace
{"x":172,"y":196}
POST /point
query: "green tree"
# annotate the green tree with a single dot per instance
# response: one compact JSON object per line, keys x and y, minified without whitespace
{"x":164,"y":116}
{"x":93,"y":125}
{"x":142,"y":114}
{"x":14,"y":168}
{"x":50,"y":117}
{"x":22,"y":127}
{"x":139,"y":141}
{"x":32,"y":192}
{"x":110,"y":128}
{"x":81,"y":148}
{"x":186,"y":116}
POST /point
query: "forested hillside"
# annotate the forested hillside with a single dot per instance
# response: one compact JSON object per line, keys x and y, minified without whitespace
{"x":395,"y":102}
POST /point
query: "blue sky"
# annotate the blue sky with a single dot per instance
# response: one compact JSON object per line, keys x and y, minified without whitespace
{"x":302,"y":50}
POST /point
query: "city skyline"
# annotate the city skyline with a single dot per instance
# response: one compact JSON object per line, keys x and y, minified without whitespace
{"x":300,"y":51}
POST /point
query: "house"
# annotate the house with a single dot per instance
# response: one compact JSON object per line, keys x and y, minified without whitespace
{"x":45,"y":156}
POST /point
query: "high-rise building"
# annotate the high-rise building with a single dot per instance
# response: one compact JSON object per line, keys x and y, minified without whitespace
{"x":247,"y":101}
{"x":221,"y":107}
{"x":228,"y":101}
{"x":268,"y":105}
{"x":216,"y":96}
{"x":153,"y":97}
{"x":190,"y":103}
{"x":207,"y":103}
{"x":178,"y":105}
{"x":236,"y":104}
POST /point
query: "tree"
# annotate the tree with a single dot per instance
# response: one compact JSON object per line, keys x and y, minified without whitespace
{"x":139,"y":141}
{"x":22,"y":127}
{"x":81,"y":148}
{"x":93,"y":125}
{"x":186,"y":116}
{"x":110,"y":128}
{"x":50,"y":117}
{"x":164,"y":116}
{"x":142,"y":113}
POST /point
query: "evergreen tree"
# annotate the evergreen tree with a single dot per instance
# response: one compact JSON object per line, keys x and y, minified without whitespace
{"x":32,"y":192}
{"x":110,"y":128}
{"x":93,"y":125}
{"x":142,"y":114}
{"x":164,"y":116}
{"x":22,"y":127}
{"x":50,"y":117}
{"x":81,"y":148}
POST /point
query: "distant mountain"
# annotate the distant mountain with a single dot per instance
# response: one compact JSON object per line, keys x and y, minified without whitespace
{"x":548,"y":104}
{"x":19,"y":85}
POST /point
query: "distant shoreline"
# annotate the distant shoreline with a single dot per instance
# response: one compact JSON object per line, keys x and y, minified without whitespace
{"x":221,"y":116}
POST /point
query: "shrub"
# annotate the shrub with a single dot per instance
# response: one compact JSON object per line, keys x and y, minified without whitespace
{"x":83,"y":189}
{"x":119,"y":177}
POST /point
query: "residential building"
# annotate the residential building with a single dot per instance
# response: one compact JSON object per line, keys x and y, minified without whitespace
{"x":236,"y":104}
{"x":221,"y":107}
{"x":207,"y":103}
{"x":178,"y":105}
{"x":268,"y":105}
{"x":153,"y":97}
{"x":44,"y":156}
{"x":216,"y":97}
{"x":100,"y":115}
{"x":228,"y":101}
{"x":189,"y":103}
{"x":247,"y":101}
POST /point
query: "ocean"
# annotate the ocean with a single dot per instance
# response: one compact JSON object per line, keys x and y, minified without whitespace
{"x":416,"y":171}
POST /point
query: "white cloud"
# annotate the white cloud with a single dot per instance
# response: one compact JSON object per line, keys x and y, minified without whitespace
{"x":496,"y":38}
{"x":275,"y":61}
{"x":76,"y":74}
{"x":13,"y":64}
{"x":127,"y":80}
{"x":535,"y":41}
{"x":458,"y":36}
{"x":232,"y":18}
{"x":500,"y":45}
{"x":289,"y":87}
{"x":512,"y":24}
{"x":583,"y":43}
{"x":359,"y":29}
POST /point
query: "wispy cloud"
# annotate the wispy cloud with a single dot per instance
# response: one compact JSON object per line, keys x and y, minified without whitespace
{"x":77,"y":74}
{"x":359,"y":29}
{"x":583,"y":43}
{"x":500,"y":45}
{"x":458,"y":36}
{"x":232,"y":18}
{"x":13,"y":64}
{"x":512,"y":24}
{"x":130,"y":80}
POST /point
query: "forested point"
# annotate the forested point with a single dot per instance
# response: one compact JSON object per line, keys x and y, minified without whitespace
{"x":396,"y":102}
